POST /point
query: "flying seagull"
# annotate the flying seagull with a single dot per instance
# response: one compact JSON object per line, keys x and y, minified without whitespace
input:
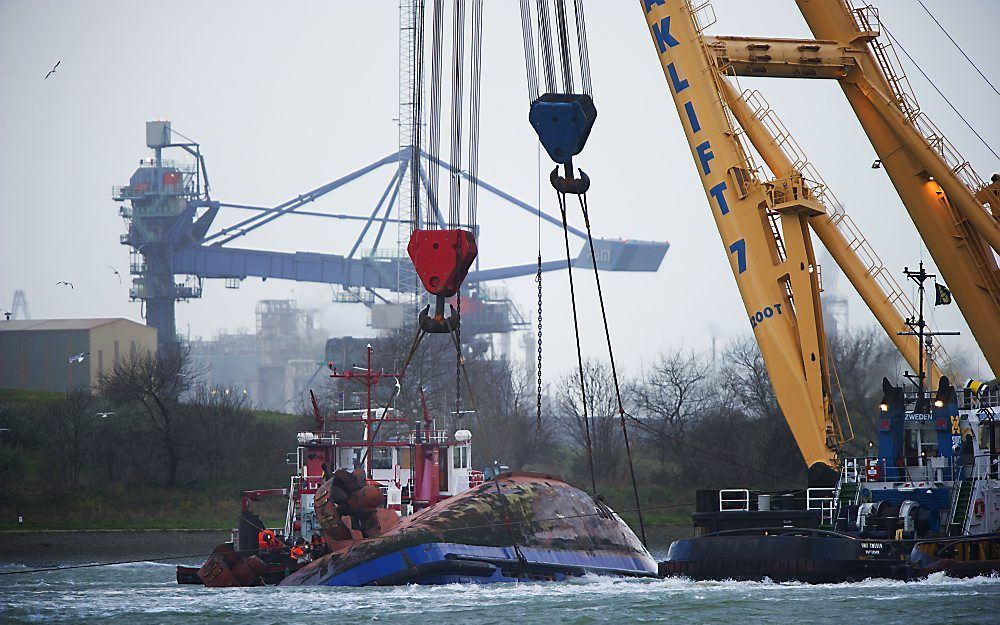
{"x":53,"y":70}
{"x":69,"y":284}
{"x":78,"y":358}
{"x":116,"y":273}
{"x":105,"y":415}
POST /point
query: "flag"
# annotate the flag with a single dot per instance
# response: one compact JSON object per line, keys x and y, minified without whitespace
{"x":942,"y":295}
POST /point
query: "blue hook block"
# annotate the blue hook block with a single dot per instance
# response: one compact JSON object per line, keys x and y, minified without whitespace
{"x":563,"y":122}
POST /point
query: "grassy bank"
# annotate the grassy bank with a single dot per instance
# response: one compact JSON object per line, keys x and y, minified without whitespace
{"x":140,"y":508}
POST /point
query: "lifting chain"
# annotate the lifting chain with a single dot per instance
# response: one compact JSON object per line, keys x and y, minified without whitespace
{"x":459,"y":361}
{"x":538,"y":403}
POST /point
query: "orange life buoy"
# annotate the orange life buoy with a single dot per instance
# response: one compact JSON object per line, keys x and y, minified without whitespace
{"x":979,"y":508}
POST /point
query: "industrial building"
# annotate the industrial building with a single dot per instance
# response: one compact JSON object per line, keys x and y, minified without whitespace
{"x":275,"y":364}
{"x":45,"y":354}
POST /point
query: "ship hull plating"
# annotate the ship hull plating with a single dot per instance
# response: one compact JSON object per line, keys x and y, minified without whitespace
{"x":519,"y":527}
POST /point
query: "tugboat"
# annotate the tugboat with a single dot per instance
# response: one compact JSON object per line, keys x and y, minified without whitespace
{"x":926,"y":500}
{"x":408,"y":508}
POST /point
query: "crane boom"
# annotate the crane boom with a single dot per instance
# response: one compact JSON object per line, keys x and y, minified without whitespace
{"x":764,"y":229}
{"x":887,"y":303}
{"x":942,"y":195}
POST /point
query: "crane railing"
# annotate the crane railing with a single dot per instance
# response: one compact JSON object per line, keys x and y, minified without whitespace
{"x":867,"y":20}
{"x":835,"y":210}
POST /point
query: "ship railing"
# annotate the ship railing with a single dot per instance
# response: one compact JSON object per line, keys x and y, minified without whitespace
{"x":850,"y":472}
{"x":822,"y":499}
{"x":925,"y":470}
{"x":733,"y":499}
{"x":476,"y":478}
{"x":429,"y":436}
{"x":988,"y":398}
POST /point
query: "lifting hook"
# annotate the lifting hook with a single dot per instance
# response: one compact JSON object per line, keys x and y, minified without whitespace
{"x":439,"y":324}
{"x":569,"y":184}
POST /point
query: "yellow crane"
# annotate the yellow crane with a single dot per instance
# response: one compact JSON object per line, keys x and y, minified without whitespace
{"x":765,"y":223}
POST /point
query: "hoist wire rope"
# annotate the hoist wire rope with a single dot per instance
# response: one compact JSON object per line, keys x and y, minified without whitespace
{"x":434,"y":123}
{"x":416,"y":97}
{"x":950,"y":38}
{"x":565,"y":61}
{"x":545,"y":40}
{"x":581,"y":41}
{"x":611,"y":357}
{"x":940,"y":93}
{"x":475,"y":91}
{"x":457,"y":102}
{"x":530,"y":56}
{"x":579,"y":350}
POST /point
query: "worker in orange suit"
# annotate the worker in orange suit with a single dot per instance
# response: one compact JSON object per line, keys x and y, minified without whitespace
{"x":298,"y":552}
{"x":265,"y":539}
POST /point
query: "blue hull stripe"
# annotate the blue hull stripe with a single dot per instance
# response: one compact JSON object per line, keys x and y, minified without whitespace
{"x":609,"y":563}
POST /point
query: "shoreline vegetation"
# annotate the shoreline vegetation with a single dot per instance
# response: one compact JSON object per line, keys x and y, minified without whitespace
{"x":155,"y":447}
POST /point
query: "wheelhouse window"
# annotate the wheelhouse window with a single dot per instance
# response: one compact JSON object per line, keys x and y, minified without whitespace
{"x":381,"y":457}
{"x":460,"y":457}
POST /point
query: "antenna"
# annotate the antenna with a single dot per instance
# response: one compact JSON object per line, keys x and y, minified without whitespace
{"x":918,"y":327}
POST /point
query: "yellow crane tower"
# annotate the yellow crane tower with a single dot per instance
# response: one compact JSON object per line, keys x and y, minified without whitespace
{"x":765,"y":224}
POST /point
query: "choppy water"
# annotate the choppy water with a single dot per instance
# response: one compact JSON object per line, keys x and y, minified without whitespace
{"x":146,"y":593}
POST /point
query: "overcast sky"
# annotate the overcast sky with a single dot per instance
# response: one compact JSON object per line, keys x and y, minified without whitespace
{"x":286,"y":96}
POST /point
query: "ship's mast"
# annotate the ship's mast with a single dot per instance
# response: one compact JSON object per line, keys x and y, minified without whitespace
{"x":369,"y":378}
{"x":925,"y":337}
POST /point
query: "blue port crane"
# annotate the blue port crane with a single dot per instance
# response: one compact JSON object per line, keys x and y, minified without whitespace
{"x":170,"y":212}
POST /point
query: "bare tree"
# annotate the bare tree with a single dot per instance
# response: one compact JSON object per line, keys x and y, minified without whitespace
{"x":71,"y":423}
{"x":677,"y":387}
{"x":607,"y":444}
{"x":156,"y":383}
{"x":218,"y":417}
{"x":505,"y":426}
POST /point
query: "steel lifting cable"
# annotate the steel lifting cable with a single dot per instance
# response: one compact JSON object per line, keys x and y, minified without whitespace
{"x":611,"y":356}
{"x":562,"y":31}
{"x":434,"y":169}
{"x":581,"y":42}
{"x":579,"y":352}
{"x":545,"y":39}
{"x":530,"y":56}
{"x":976,"y":67}
{"x":939,"y":92}
{"x":474,"y":101}
{"x":415,"y":126}
{"x":457,"y":82}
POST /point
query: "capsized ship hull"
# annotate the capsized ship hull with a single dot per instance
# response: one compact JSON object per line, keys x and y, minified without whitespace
{"x":519,"y":527}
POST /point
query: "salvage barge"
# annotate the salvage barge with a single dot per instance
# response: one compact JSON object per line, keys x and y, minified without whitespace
{"x":926,"y":501}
